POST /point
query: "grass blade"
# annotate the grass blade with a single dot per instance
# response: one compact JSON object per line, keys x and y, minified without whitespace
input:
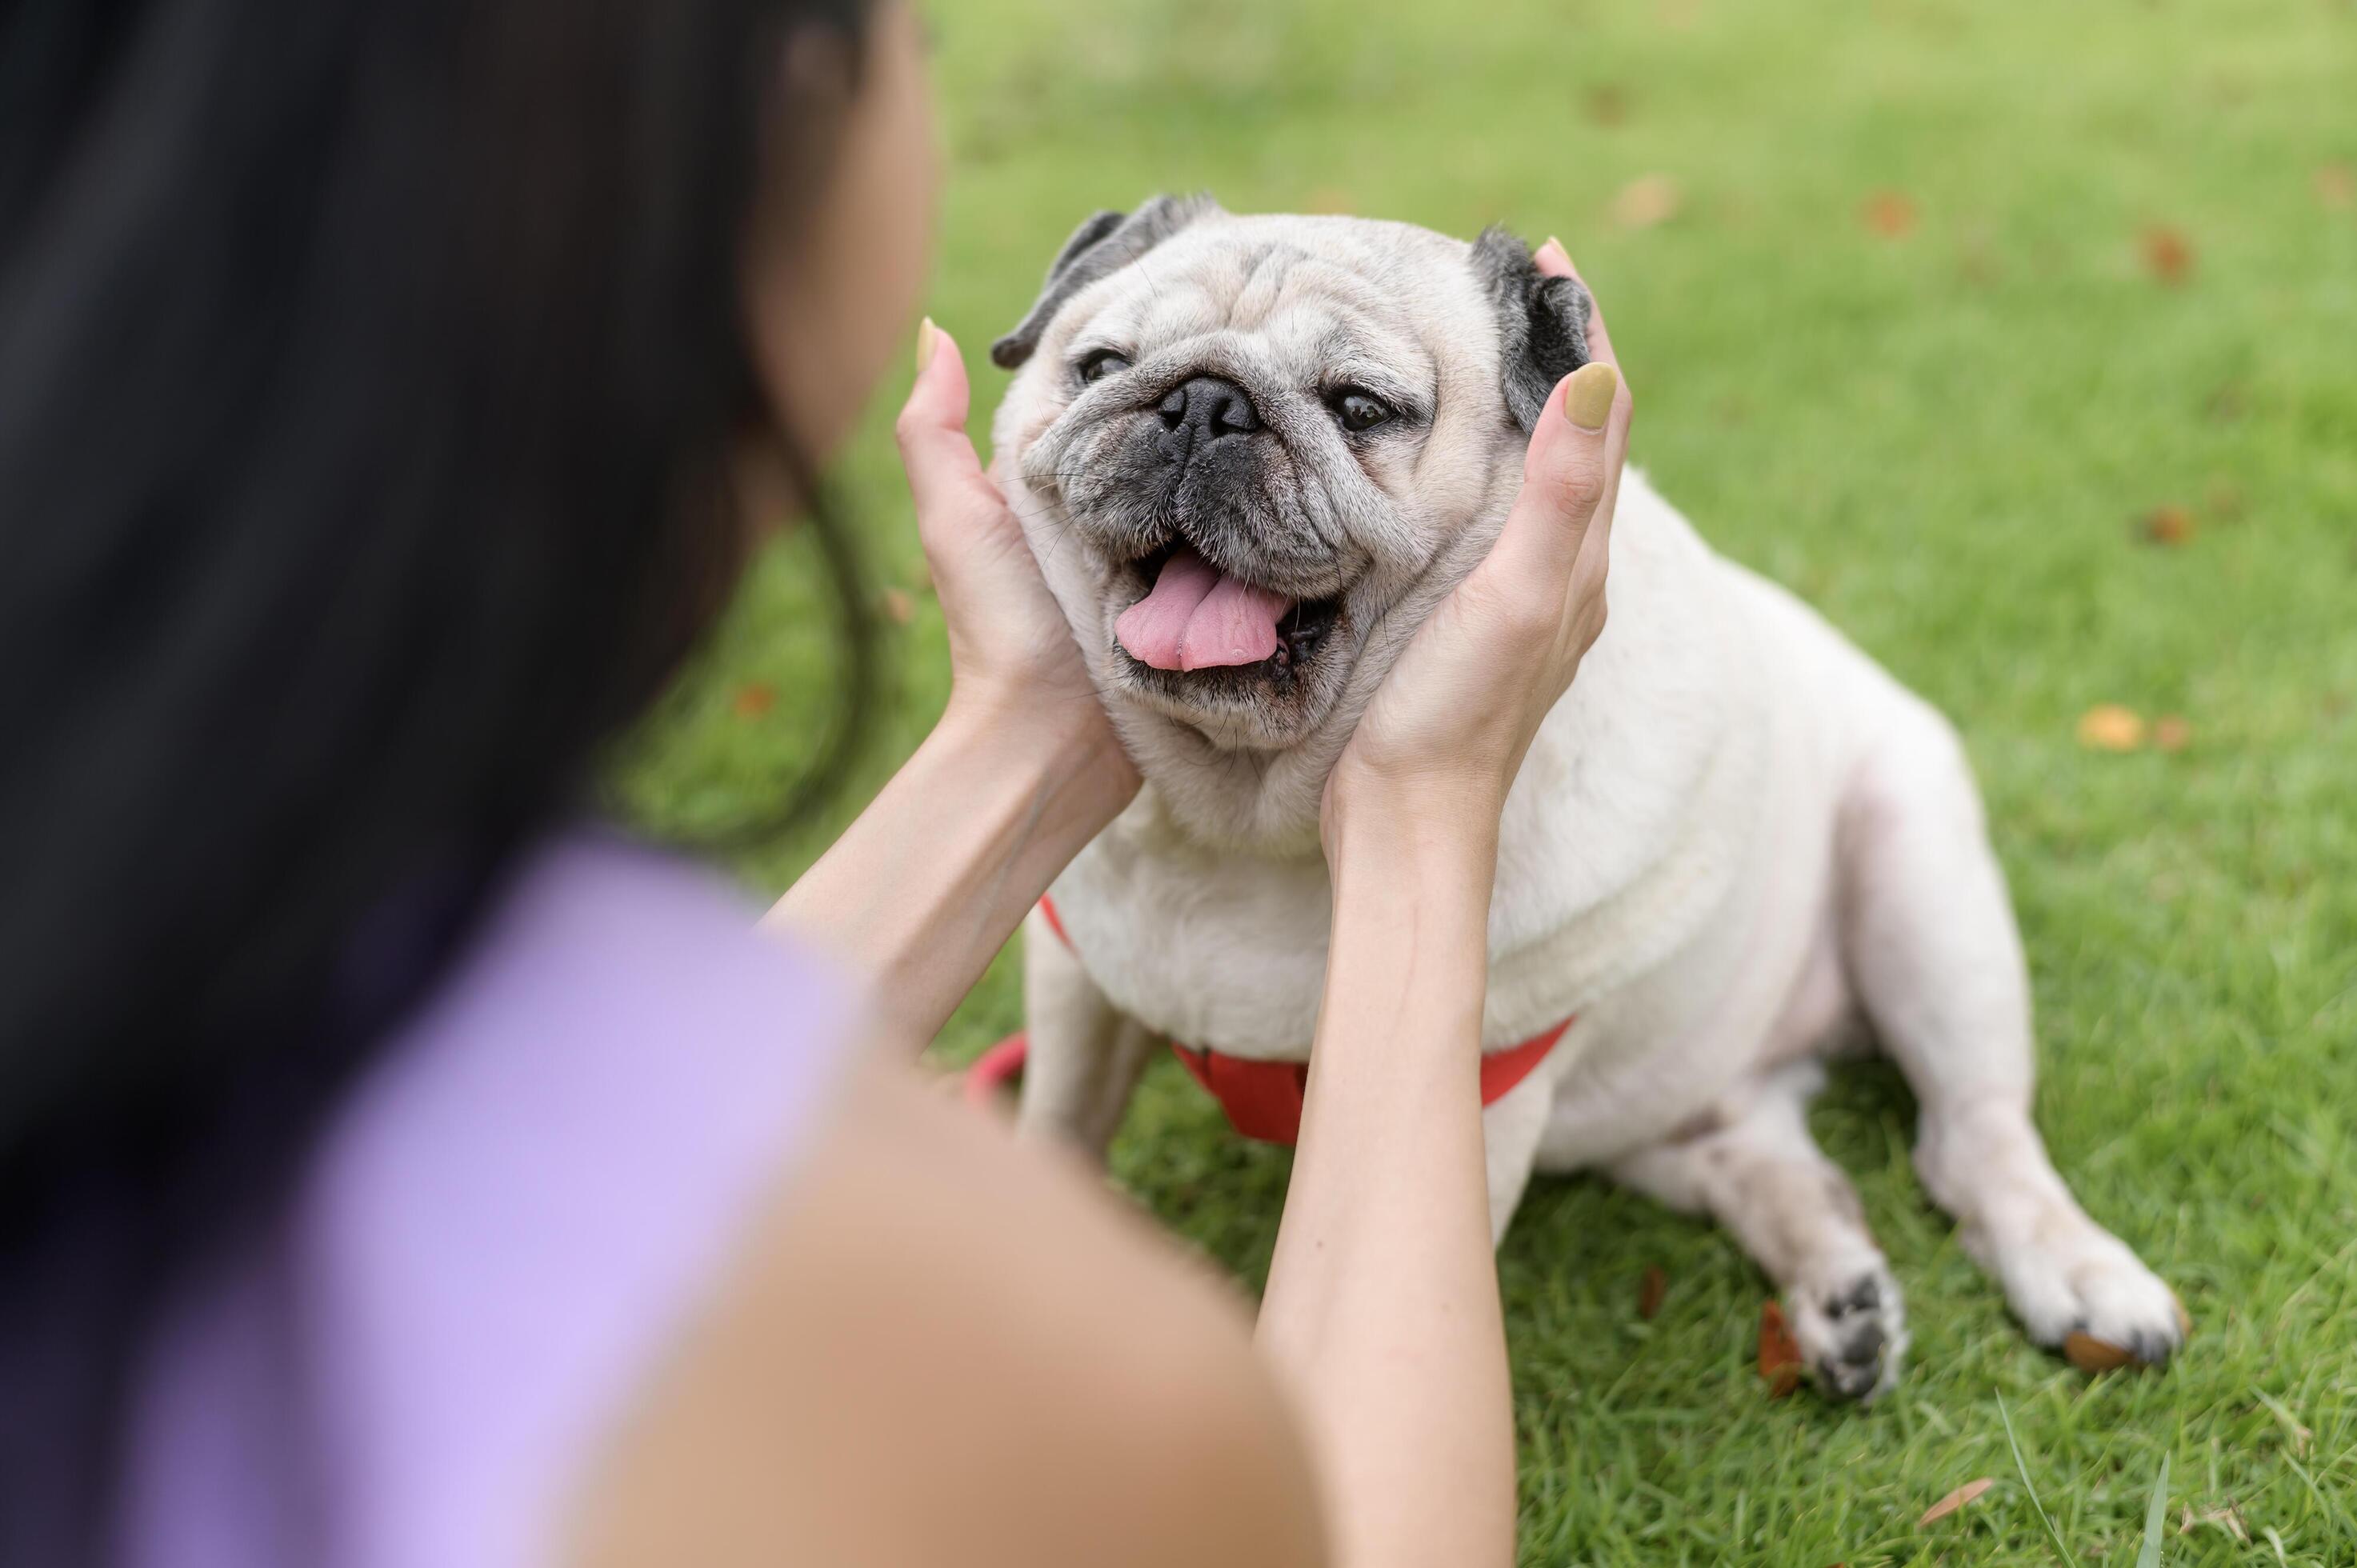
{"x":2031,"y":1486}
{"x":2151,"y":1556}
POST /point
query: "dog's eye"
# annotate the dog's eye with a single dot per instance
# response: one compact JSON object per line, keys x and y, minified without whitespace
{"x":1361,"y":411}
{"x":1100,"y":364}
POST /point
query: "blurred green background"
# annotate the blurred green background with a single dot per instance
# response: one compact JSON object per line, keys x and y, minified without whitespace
{"x":2022,"y":340}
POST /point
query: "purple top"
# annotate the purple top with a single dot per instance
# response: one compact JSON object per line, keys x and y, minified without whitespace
{"x":505,"y":1227}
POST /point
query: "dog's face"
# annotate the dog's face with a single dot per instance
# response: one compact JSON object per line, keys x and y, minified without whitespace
{"x":1252,"y":454}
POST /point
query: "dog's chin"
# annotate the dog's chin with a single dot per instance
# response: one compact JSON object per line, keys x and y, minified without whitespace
{"x":1267,"y":706}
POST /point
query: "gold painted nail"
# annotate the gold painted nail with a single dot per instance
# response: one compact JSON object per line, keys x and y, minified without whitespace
{"x":1588,"y":401}
{"x":926,"y":332}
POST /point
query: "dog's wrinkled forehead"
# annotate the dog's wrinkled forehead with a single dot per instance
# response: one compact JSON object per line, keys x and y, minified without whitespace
{"x":1299,"y":294}
{"x":1390,"y":306}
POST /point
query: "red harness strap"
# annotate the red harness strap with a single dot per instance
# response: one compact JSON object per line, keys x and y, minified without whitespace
{"x":1263,"y":1099}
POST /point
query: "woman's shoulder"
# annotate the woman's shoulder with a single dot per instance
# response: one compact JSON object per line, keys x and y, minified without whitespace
{"x":614,"y":1005}
{"x":601,"y":934}
{"x":501,"y":1233}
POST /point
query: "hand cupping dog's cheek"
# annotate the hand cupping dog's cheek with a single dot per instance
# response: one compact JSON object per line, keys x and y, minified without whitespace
{"x":1469,"y":693}
{"x":1011,"y":652}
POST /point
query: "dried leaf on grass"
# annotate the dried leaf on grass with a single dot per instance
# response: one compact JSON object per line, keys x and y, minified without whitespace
{"x":1607,"y":104}
{"x":2167,"y":253}
{"x":2091,"y":1355}
{"x":2107,"y":726}
{"x":1954,"y":1501}
{"x":898,"y":605}
{"x":2171,"y":733}
{"x":1889,"y":213}
{"x":1647,"y":202}
{"x":2229,"y":1519}
{"x":2168,"y":525}
{"x":1780,"y":1353}
{"x":2336,"y":186}
{"x":754,"y":700}
{"x":1650,"y":1293}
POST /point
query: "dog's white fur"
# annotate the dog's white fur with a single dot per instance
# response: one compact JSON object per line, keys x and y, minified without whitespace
{"x":1736,"y":846}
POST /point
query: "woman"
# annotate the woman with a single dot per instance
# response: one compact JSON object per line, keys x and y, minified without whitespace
{"x":395,"y":1170}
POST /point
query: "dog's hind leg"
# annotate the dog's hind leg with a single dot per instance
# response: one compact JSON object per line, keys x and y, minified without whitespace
{"x":1754,"y":1167}
{"x":1084,"y":1056}
{"x":1928,"y":938}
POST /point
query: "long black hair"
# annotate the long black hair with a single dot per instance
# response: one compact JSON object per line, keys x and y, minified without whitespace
{"x":368,"y":373}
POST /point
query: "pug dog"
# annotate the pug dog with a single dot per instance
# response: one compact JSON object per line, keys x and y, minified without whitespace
{"x":1250,"y":454}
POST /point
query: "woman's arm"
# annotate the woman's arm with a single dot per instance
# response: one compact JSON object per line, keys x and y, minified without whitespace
{"x":943,"y":1347}
{"x":1381,"y":1310}
{"x":938,"y":872}
{"x":1021,"y":772}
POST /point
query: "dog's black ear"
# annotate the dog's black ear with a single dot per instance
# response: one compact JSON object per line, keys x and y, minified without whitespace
{"x":1098,"y":248}
{"x":1542,"y":323}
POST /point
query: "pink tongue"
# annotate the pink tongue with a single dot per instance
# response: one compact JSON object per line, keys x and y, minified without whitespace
{"x":1198,"y":617}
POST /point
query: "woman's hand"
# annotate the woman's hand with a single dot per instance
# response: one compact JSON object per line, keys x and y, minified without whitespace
{"x":1012,"y":657}
{"x":1022,"y":772}
{"x":1447,"y":728}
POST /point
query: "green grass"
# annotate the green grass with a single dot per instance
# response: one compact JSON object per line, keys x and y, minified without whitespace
{"x":1943,"y":439}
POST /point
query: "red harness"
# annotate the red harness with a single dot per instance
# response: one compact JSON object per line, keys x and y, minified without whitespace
{"x":1263,"y":1099}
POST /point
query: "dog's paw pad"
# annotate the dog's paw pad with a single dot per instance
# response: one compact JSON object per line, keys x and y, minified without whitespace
{"x":1853,"y":1331}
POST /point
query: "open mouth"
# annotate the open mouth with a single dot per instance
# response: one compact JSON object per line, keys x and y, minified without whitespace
{"x":1193,"y":624}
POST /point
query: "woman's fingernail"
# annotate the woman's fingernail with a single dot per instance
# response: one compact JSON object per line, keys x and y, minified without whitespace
{"x":925,"y":332}
{"x":1588,"y":401}
{"x":1556,"y":246}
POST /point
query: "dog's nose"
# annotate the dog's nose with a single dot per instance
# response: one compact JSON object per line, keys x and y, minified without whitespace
{"x":1205,"y":410}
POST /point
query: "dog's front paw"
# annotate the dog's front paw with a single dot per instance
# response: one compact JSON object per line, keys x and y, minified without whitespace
{"x":2079,"y":1278}
{"x":1850,"y":1322}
